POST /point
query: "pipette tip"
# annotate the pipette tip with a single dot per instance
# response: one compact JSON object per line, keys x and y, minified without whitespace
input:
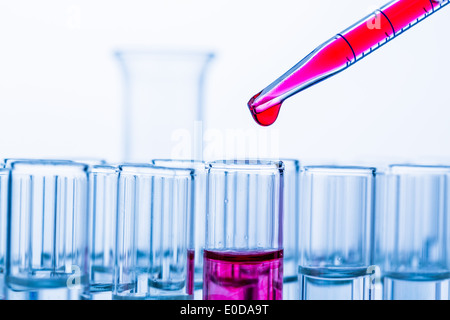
{"x":266,"y":117}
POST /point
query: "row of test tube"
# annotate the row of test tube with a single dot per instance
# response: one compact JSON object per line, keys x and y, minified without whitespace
{"x":238,"y":229}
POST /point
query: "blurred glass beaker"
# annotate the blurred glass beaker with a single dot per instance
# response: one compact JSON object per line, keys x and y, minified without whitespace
{"x":163,"y":103}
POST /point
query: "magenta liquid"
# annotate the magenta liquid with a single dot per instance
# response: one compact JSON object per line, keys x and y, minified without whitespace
{"x":190,"y":271}
{"x":247,"y":275}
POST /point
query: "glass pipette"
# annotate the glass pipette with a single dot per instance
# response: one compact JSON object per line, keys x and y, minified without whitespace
{"x":340,"y":52}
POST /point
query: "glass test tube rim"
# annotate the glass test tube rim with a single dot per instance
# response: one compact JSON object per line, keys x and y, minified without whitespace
{"x":92,"y":162}
{"x":246,"y":165}
{"x":107,"y":169}
{"x":418,"y":169}
{"x":47,"y":167}
{"x":152,"y":170}
{"x":180,"y":163}
{"x":340,"y":170}
{"x":289,"y":163}
{"x":8,"y":161}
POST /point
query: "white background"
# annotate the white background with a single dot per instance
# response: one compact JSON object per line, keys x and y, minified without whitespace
{"x":61,"y":89}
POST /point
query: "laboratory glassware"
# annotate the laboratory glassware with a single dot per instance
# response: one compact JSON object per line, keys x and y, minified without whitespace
{"x":4,"y":182}
{"x":341,"y":52}
{"x":154,"y":253}
{"x":243,"y":256}
{"x":163,"y":103}
{"x":335,"y":233}
{"x":291,"y":195}
{"x":103,"y":181}
{"x":413,"y":233}
{"x":47,"y":246}
{"x":199,"y":210}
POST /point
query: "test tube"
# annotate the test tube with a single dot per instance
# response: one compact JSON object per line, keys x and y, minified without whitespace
{"x":291,"y":196}
{"x":154,"y":254}
{"x":413,"y":233}
{"x":103,"y":180}
{"x":199,"y":210}
{"x":378,"y":224}
{"x":4,"y":182}
{"x":243,"y":256}
{"x":335,"y":233}
{"x":46,"y":254}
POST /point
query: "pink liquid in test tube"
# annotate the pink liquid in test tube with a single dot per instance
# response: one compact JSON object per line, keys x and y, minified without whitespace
{"x":190,"y":271}
{"x":243,"y":254}
{"x":340,"y":52}
{"x":246,"y":275}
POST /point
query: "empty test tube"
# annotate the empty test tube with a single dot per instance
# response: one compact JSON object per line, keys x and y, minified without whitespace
{"x":103,"y":180}
{"x":154,"y":253}
{"x":47,"y":230}
{"x":335,"y":233}
{"x":291,"y":194}
{"x":413,"y":232}
{"x":199,"y":209}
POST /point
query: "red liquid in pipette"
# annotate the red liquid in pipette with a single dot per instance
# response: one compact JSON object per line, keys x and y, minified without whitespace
{"x":340,"y":52}
{"x":267,"y":117}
